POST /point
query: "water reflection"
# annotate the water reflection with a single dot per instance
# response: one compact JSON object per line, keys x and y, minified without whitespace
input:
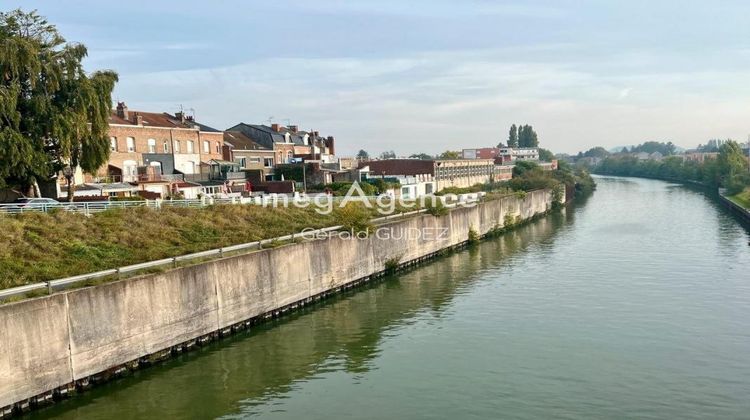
{"x":343,"y":333}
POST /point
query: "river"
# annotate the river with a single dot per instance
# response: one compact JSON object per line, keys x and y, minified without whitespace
{"x":633,"y":304}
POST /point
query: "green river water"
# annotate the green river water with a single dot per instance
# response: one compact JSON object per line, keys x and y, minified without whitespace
{"x":633,"y":304}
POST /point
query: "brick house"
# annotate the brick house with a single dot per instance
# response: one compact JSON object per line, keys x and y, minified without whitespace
{"x":152,"y":144}
{"x":288,"y":142}
{"x":248,"y":153}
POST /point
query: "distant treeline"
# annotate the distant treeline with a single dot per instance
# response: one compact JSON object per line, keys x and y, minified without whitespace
{"x":729,"y":169}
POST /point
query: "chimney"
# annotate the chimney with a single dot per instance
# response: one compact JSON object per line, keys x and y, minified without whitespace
{"x":275,"y":127}
{"x":293,"y":128}
{"x":138,"y":119}
{"x":316,"y":134}
{"x":122,"y":110}
{"x":329,"y":144}
{"x":180,"y":116}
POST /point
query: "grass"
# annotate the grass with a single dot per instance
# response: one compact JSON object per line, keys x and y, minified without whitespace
{"x":38,"y":247}
{"x":743,"y":198}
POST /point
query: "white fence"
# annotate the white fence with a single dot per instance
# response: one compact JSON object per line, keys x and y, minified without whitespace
{"x":54,"y":285}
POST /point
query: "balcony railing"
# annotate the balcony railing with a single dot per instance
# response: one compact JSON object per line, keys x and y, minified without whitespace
{"x":161,"y":178}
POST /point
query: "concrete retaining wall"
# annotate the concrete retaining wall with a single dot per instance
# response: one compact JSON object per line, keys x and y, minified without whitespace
{"x":53,"y":342}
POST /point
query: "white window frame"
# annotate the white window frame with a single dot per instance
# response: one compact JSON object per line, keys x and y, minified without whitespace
{"x":113,"y":144}
{"x":151,"y":145}
{"x":130,"y":144}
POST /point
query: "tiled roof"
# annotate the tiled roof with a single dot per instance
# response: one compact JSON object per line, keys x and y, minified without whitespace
{"x":155,"y":119}
{"x":240,"y":141}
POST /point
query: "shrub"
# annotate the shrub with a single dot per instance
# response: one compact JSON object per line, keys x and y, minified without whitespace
{"x":354,"y":218}
{"x":473,"y":236}
{"x":437,"y":208}
{"x":391,"y":264}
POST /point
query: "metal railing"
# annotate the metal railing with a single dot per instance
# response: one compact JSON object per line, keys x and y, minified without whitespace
{"x":235,"y":198}
{"x":99,"y":206}
{"x":53,"y":285}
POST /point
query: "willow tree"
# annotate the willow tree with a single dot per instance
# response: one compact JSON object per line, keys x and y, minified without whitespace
{"x":53,"y":114}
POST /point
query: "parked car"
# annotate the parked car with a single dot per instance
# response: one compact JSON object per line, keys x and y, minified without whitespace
{"x":38,"y":204}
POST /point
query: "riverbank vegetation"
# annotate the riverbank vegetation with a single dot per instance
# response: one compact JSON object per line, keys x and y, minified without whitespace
{"x":727,"y":169}
{"x":529,"y":176}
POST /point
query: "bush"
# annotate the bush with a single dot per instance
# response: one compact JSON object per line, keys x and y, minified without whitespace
{"x":438,"y":209}
{"x":354,"y":218}
{"x":473,"y":236}
{"x":391,"y":264}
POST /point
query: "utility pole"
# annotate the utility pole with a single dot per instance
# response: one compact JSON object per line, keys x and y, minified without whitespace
{"x":304,"y":178}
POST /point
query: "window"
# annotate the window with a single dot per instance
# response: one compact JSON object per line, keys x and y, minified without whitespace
{"x":218,"y":148}
{"x":151,"y":146}
{"x":113,"y":144}
{"x":242,"y":161}
{"x":131,"y":144}
{"x":206,"y":147}
{"x":288,"y":156}
{"x":157,"y":167}
{"x":268,"y":162}
{"x":254,"y":160}
{"x":177,"y":146}
{"x":166,"y":147}
{"x":428,"y":188}
{"x":190,"y":148}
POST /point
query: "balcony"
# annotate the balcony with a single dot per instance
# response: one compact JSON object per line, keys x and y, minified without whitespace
{"x":160,"y":178}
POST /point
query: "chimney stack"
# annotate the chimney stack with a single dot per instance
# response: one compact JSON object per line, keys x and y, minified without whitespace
{"x":180,"y":116}
{"x":293,"y":128}
{"x":275,"y":127}
{"x":138,"y":119}
{"x":329,"y":144}
{"x":122,"y":110}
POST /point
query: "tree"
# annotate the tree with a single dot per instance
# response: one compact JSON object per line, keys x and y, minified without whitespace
{"x":52,"y":114}
{"x":388,"y":155}
{"x":596,"y":152}
{"x":546,"y":155}
{"x":362,"y":155}
{"x":527,"y":137}
{"x":731,"y":161}
{"x":423,"y":156}
{"x":450,"y":155}
{"x":512,"y":136}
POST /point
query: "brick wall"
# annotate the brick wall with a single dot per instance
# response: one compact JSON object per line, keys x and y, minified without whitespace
{"x":170,"y":136}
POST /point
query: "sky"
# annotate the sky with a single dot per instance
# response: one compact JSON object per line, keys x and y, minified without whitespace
{"x":425,"y":76}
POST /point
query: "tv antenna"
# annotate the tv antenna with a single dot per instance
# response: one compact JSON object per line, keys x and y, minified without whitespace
{"x":270,"y":119}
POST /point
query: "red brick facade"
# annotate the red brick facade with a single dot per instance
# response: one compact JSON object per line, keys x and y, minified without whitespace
{"x":133,"y":134}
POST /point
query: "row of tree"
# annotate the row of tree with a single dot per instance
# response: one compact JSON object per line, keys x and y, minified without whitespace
{"x":53,"y":114}
{"x":521,"y":136}
{"x":729,"y":169}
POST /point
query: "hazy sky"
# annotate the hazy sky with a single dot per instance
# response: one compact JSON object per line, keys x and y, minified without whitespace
{"x":425,"y":76}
